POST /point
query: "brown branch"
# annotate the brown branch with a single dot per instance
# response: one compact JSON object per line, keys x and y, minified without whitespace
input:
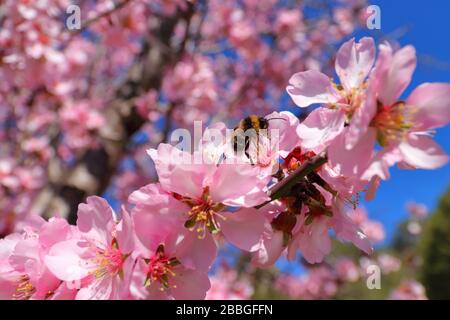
{"x":104,"y":14}
{"x":283,"y":188}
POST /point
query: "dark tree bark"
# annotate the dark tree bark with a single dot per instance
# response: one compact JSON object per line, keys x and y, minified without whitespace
{"x":93,"y":172}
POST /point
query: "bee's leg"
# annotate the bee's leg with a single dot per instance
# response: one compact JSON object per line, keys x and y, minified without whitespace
{"x":222,"y":158}
{"x":247,"y":146}
{"x":247,"y":154}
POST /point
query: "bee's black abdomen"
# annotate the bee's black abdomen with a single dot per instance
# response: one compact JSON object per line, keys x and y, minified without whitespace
{"x":248,"y":123}
{"x":263,"y":123}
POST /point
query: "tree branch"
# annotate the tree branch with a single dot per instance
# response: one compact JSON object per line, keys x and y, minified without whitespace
{"x":283,"y":188}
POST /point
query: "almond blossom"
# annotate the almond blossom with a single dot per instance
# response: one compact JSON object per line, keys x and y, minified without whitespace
{"x":80,"y":112}
{"x":23,"y":272}
{"x":164,"y":268}
{"x":97,"y":259}
{"x":204,"y":191}
{"x":353,"y":63}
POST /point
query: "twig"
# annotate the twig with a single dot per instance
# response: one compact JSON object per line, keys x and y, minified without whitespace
{"x":283,"y":187}
{"x":106,"y":13}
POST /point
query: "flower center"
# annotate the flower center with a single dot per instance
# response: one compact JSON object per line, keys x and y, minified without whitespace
{"x":24,"y":289}
{"x":203,"y":214}
{"x":160,"y":268}
{"x":393,"y":123}
{"x":296,"y":158}
{"x":108,"y":261}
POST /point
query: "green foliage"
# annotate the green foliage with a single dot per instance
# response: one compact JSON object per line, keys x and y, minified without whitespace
{"x":403,"y":240}
{"x":435,"y":251}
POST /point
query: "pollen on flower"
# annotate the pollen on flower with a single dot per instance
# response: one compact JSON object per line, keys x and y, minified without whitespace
{"x":24,"y":289}
{"x":203,"y":214}
{"x":393,"y":122}
{"x":160,"y":268}
{"x":108,"y":261}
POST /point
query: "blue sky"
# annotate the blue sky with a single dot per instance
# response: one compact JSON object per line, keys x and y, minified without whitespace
{"x":424,"y":25}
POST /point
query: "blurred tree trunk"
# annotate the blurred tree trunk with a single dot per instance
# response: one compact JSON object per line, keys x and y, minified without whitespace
{"x":92,"y":174}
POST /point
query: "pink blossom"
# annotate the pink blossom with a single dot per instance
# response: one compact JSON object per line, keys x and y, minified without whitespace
{"x":97,"y":260}
{"x":409,"y":290}
{"x":225,"y":285}
{"x":164,"y":268}
{"x":417,"y":210}
{"x":206,"y":189}
{"x":403,"y":127}
{"x":388,"y":263}
{"x":347,"y":270}
{"x":23,"y":272}
{"x":353,"y":64}
{"x":318,"y":283}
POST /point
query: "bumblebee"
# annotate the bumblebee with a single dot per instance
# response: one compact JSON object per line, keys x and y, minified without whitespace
{"x":242,"y":137}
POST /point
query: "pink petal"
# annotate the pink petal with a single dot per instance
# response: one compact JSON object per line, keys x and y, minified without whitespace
{"x":398,"y":75}
{"x":287,"y":129}
{"x":196,"y":253}
{"x":433,"y":103}
{"x":190,"y":285}
{"x":7,"y":245}
{"x":372,"y":189}
{"x":125,"y":233}
{"x":156,"y":215}
{"x":321,"y":126}
{"x":313,"y":241}
{"x":354,"y":62}
{"x":309,"y":87}
{"x":361,"y":119}
{"x":270,"y":248}
{"x":177,"y":171}
{"x":232,"y":182}
{"x":420,"y":151}
{"x":55,"y":230}
{"x":67,"y":261}
{"x":95,"y":219}
{"x":351,"y":162}
{"x":26,"y":256}
{"x":99,"y":289}
{"x":243,"y":228}
{"x":64,"y":293}
{"x":379,"y":165}
{"x":347,"y":230}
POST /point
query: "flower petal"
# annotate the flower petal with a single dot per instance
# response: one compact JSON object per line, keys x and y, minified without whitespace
{"x":354,"y":62}
{"x":177,"y":171}
{"x":190,"y":285}
{"x":321,"y":126}
{"x":238,"y":184}
{"x":351,"y":163}
{"x":243,"y":228}
{"x":309,"y":87}
{"x":394,"y":72}
{"x":196,"y":253}
{"x":95,"y":219}
{"x":433,"y":103}
{"x":420,"y":151}
{"x":66,"y":261}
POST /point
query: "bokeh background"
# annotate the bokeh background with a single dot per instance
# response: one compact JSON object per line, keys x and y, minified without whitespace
{"x":79,"y":108}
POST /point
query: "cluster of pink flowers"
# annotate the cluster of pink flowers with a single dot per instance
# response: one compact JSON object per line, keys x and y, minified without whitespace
{"x":318,"y":283}
{"x":409,"y":290}
{"x":56,"y":84}
{"x":226,"y":285}
{"x":365,"y":108}
{"x":326,"y":280}
{"x":164,"y":240}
